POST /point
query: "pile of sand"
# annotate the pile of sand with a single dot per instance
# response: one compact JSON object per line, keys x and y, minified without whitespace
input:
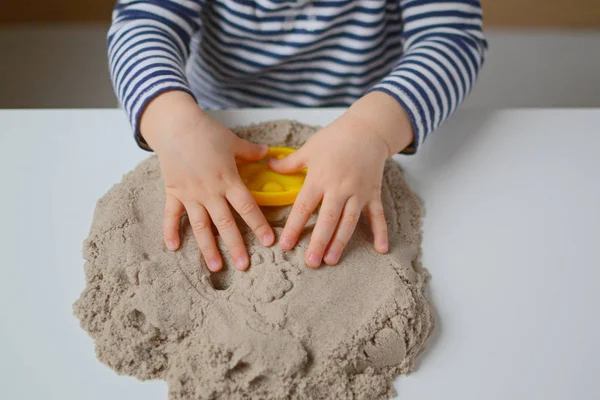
{"x":279,"y":330}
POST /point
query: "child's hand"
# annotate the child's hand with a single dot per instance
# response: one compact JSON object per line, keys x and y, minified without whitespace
{"x":197,"y":158}
{"x":345,"y":164}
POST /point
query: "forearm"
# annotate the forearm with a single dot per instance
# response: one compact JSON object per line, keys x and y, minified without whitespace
{"x":168,"y":115}
{"x":444,"y":51}
{"x":148,"y":48}
{"x":386,"y":118}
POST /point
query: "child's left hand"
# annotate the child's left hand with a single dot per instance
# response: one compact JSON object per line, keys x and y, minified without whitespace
{"x":345,"y":162}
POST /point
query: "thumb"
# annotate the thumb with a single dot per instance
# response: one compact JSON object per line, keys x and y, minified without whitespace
{"x":244,"y":150}
{"x":288,"y":165}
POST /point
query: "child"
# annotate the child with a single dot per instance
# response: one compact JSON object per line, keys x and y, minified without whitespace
{"x":402,"y":67}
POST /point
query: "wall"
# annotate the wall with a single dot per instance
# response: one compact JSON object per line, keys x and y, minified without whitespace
{"x":498,"y":13}
{"x":45,"y":65}
{"x":66,"y":67}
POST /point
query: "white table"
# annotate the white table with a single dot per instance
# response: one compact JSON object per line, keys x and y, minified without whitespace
{"x":512,"y":236}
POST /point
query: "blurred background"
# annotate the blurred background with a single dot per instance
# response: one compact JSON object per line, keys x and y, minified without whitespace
{"x":543,"y":53}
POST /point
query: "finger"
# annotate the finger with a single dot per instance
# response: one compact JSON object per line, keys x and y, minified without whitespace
{"x":173,"y":212}
{"x":223,"y":219}
{"x":307,"y":201}
{"x":202,"y":228}
{"x":341,"y":237}
{"x":288,"y":165}
{"x":376,"y":217}
{"x":243,"y":202}
{"x":327,"y":221}
{"x":244,"y":150}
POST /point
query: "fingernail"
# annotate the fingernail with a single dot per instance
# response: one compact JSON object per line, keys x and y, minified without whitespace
{"x":332,"y":257}
{"x":267,"y":239}
{"x":172,"y":245}
{"x":214,"y":265}
{"x":241,"y":263}
{"x":264,"y":148}
{"x":383,"y":247}
{"x":313,"y":260}
{"x":285,"y":243}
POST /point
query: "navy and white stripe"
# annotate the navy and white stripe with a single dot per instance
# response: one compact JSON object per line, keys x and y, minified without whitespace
{"x":301,"y":53}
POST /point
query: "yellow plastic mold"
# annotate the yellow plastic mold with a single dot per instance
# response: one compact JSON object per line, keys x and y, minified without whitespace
{"x":268,"y":187}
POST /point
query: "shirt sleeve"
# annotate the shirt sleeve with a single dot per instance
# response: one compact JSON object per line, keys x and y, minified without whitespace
{"x":444,"y":49}
{"x":148,"y":47}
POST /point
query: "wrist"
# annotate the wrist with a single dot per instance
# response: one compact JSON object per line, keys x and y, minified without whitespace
{"x":386,"y":118}
{"x":167,"y":116}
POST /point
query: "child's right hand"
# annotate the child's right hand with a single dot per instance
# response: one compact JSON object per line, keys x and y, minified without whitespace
{"x":197,"y":158}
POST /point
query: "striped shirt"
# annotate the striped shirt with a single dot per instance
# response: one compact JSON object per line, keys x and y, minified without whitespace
{"x":426,"y":54}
